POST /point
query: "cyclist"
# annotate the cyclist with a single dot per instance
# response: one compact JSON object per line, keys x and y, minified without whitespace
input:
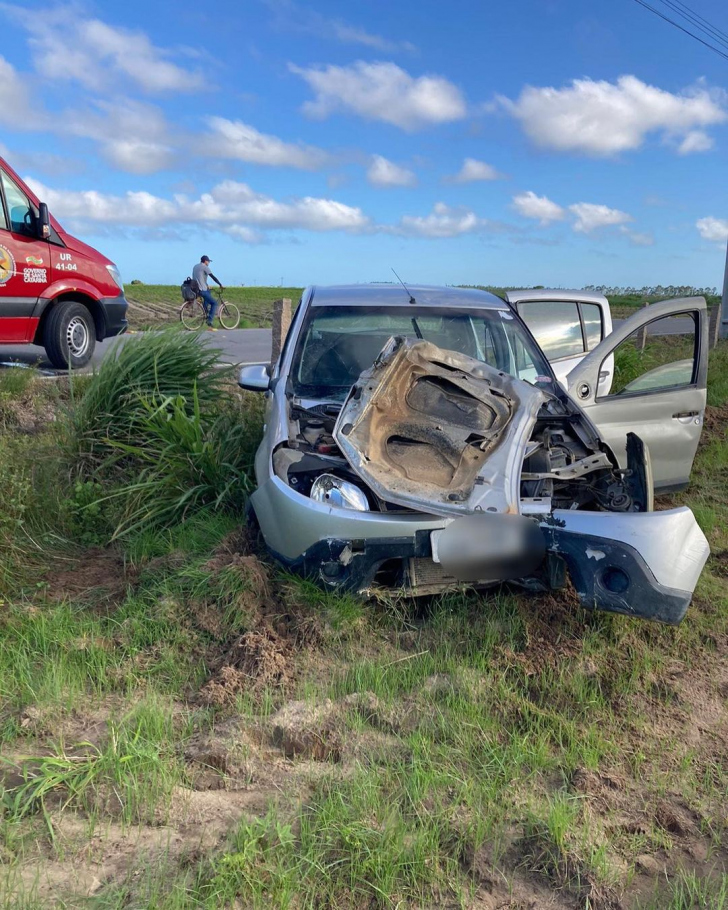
{"x":200,"y":273}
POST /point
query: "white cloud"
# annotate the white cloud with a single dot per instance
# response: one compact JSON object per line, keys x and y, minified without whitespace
{"x":133,"y":136}
{"x":638,"y":239}
{"x":382,"y":91}
{"x":230,"y":206}
{"x":384,"y":173}
{"x":473,"y":170}
{"x":246,"y":234}
{"x":541,"y":208}
{"x":68,"y":46}
{"x":604,"y":118}
{"x":19,"y":109}
{"x":590,"y":217}
{"x":351,"y":34}
{"x":45,"y":162}
{"x":695,"y":141}
{"x":238,"y":140}
{"x":714,"y":229}
{"x":443,"y":221}
{"x":138,"y":156}
{"x":292,"y":17}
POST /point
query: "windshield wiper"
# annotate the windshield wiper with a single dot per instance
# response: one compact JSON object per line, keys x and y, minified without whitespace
{"x":418,"y":331}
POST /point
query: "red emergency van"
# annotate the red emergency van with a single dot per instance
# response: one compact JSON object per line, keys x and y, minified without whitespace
{"x":55,"y":290}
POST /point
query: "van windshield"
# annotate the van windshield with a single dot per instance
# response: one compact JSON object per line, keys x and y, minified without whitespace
{"x":337,"y":344}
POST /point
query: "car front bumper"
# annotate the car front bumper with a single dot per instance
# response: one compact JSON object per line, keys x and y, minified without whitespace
{"x":640,"y":564}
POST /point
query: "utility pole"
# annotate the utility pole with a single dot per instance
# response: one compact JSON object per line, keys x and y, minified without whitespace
{"x":724,"y":303}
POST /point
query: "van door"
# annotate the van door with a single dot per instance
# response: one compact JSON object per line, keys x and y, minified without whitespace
{"x":24,"y":263}
{"x":658,"y":391}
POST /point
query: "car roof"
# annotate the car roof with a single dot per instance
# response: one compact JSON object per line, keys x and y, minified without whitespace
{"x":395,"y":295}
{"x":554,"y":294}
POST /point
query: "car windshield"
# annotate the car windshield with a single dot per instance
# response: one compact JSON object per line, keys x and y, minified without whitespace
{"x":337,"y":343}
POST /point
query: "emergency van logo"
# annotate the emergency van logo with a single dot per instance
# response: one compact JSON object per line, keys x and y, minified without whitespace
{"x":34,"y":260}
{"x":7,"y":265}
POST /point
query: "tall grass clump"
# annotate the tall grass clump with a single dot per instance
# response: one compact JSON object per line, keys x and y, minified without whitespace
{"x":160,"y":366}
{"x":164,"y":434}
{"x":185,"y":462}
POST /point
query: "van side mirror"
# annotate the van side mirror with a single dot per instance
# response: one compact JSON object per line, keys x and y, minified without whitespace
{"x":255,"y":377}
{"x":44,"y":221}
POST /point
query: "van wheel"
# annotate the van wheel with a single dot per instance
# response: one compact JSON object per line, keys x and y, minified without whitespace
{"x":69,"y":336}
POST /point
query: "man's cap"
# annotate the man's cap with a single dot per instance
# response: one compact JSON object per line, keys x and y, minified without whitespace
{"x":205,"y":259}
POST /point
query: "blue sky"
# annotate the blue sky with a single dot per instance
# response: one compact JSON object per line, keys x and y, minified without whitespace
{"x":556,"y":142}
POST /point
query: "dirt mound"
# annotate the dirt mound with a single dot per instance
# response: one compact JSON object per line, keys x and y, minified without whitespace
{"x":567,"y":871}
{"x":556,"y":632}
{"x":97,"y":574}
{"x":256,"y":661}
{"x":307,"y":730}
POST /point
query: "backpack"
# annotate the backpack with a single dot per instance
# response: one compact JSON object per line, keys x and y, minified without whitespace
{"x":190,"y":289}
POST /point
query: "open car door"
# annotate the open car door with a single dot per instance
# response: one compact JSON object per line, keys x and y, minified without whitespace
{"x":658,"y":392}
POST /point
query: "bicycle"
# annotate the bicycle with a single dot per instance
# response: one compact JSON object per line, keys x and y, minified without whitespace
{"x":193,"y":314}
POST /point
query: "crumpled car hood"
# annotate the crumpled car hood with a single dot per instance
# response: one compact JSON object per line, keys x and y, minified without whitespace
{"x":438,"y":431}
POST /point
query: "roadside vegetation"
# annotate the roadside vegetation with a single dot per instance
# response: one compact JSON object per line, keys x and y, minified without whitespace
{"x":182,"y":725}
{"x":152,"y":305}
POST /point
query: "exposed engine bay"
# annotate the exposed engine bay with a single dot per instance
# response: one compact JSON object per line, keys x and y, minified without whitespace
{"x":438,"y":432}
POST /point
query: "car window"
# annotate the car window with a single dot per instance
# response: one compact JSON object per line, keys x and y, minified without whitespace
{"x":556,"y":326}
{"x":591,"y":315}
{"x":20,"y":211}
{"x":337,"y":344}
{"x":3,"y":219}
{"x":662,"y":357}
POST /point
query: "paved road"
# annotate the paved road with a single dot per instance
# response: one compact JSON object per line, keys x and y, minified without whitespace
{"x":676,"y":326}
{"x":238,"y":346}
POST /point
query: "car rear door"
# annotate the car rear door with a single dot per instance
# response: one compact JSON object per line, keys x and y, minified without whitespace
{"x":658,"y":390}
{"x":24,"y":263}
{"x":565,"y":330}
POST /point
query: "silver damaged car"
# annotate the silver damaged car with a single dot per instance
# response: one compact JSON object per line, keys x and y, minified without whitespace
{"x":418,"y":440}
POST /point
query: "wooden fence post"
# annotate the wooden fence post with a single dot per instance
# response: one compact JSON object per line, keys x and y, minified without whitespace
{"x":281,"y":324}
{"x":713,"y":326}
{"x":642,"y":334}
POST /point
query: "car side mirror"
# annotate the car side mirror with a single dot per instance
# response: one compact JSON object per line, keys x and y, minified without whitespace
{"x":44,"y":221}
{"x":254,"y":377}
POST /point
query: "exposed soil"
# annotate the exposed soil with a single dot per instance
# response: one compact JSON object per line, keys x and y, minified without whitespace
{"x":716,"y":421}
{"x":27,"y":413}
{"x":97,"y":575}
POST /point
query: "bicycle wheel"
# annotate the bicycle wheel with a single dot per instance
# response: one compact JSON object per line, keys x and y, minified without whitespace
{"x":229,"y":315}
{"x":192,"y":314}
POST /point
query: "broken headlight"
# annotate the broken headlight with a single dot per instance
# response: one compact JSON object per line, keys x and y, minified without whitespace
{"x":340,"y":493}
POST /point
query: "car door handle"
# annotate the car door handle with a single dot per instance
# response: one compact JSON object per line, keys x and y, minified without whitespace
{"x":685,"y":414}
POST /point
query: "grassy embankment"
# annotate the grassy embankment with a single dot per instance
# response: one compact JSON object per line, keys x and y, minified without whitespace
{"x":152,"y":305}
{"x":182,"y":725}
{"x":157,"y":304}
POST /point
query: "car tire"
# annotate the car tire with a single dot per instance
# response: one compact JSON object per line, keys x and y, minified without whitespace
{"x":69,"y":335}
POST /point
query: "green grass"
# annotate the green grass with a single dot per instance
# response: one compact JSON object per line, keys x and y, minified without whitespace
{"x":691,"y":892}
{"x":131,"y":775}
{"x":464,"y":725}
{"x":153,"y":305}
{"x":156,"y":304}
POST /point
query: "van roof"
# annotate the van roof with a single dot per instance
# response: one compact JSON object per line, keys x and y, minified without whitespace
{"x":555,"y":294}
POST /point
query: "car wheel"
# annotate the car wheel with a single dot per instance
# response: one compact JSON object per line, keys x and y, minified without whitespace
{"x":69,"y":336}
